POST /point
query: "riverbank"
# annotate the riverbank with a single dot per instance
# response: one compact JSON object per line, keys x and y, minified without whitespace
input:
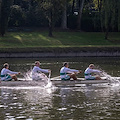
{"x":63,"y":44}
{"x":60,"y":39}
{"x":60,"y":52}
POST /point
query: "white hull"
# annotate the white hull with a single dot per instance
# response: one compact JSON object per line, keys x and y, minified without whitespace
{"x":56,"y":82}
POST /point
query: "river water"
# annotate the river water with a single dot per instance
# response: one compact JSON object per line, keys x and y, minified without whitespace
{"x":93,"y":102}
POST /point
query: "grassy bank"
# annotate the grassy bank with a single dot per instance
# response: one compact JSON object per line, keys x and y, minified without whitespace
{"x":60,"y":39}
{"x":39,"y":41}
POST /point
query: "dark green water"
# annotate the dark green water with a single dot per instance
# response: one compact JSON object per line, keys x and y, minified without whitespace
{"x":95,"y":102}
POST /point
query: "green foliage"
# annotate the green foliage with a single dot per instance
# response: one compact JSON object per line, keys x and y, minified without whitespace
{"x":17,"y":16}
{"x":51,"y":7}
{"x":118,"y":6}
{"x":98,"y":15}
{"x":110,"y":12}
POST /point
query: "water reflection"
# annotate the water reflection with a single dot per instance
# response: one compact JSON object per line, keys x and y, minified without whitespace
{"x":25,"y":103}
{"x":12,"y":104}
{"x":86,"y":103}
{"x":90,"y":103}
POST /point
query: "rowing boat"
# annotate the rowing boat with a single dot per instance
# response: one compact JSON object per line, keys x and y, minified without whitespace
{"x":56,"y":82}
{"x":79,"y":81}
{"x":21,"y":83}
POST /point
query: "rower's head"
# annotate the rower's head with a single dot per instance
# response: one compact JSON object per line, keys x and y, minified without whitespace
{"x":37,"y":63}
{"x":91,"y":66}
{"x":65,"y":64}
{"x":6,"y":65}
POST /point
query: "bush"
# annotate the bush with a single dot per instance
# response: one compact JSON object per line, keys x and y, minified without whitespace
{"x":17,"y":16}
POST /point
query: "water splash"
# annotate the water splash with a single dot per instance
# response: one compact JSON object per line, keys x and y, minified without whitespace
{"x":109,"y":78}
{"x":39,"y":77}
{"x":49,"y":84}
{"x":28,"y":75}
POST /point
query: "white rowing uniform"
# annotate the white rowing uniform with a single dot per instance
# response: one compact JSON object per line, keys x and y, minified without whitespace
{"x":88,"y":72}
{"x":37,"y":73}
{"x":63,"y":73}
{"x":5,"y":74}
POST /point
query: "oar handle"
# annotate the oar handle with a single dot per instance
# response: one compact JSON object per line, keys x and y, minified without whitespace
{"x":49,"y":75}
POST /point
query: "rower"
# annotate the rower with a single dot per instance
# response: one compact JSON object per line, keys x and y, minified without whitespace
{"x":8,"y":75}
{"x":37,"y":70}
{"x":67,"y":73}
{"x":89,"y":71}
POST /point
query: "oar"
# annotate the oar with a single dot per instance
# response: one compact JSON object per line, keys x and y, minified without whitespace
{"x":49,"y":84}
{"x":49,"y":76}
{"x":57,"y":77}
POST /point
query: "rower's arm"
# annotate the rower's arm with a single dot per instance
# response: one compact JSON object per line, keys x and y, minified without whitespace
{"x":43,"y":70}
{"x":96,"y":71}
{"x":11,"y":72}
{"x":71,"y":70}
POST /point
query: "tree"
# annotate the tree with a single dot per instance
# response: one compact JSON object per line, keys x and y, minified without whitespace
{"x":5,"y":11}
{"x":51,"y":9}
{"x":110,"y":11}
{"x":0,"y":12}
{"x":17,"y":17}
{"x":64,"y":15}
{"x":118,"y":6}
{"x":66,"y":4}
{"x":73,"y":5}
{"x":81,"y":5}
{"x":109,"y":15}
{"x":99,"y":2}
{"x":47,"y":7}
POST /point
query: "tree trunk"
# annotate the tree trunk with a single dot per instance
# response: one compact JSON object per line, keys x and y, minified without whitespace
{"x":51,"y":25}
{"x":118,"y":15}
{"x":106,"y":34}
{"x":5,"y":11}
{"x":80,"y":14}
{"x":73,"y":5}
{"x":107,"y":18}
{"x":64,"y":16}
{"x":0,"y":14}
{"x":100,"y":14}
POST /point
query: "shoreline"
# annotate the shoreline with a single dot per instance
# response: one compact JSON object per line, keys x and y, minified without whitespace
{"x":59,"y":52}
